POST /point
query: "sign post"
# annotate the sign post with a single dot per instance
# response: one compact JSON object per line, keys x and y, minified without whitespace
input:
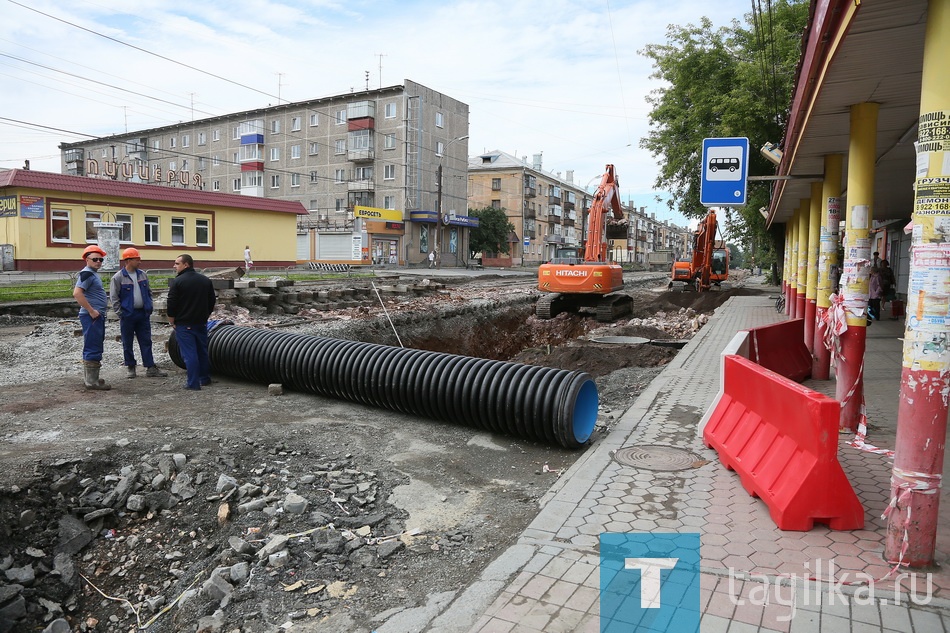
{"x":724,"y":171}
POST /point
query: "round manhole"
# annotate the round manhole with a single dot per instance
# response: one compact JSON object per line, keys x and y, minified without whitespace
{"x":621,"y":340}
{"x":656,"y":457}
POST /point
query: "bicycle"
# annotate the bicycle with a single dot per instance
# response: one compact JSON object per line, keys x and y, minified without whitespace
{"x":780,"y":303}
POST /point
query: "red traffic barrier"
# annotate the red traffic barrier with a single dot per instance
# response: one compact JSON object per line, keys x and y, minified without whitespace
{"x":781,"y":348}
{"x":782,"y":440}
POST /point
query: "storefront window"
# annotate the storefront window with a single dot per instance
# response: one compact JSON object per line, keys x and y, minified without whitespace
{"x":423,"y":238}
{"x":453,"y":240}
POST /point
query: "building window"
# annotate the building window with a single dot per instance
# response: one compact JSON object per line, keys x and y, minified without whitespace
{"x":496,"y":184}
{"x":341,"y":116}
{"x":295,"y":151}
{"x":202,"y":138}
{"x":294,"y":180}
{"x":314,"y":119}
{"x":151,"y":229}
{"x":184,"y":165}
{"x":339,"y":146}
{"x":236,"y":184}
{"x":234,"y":156}
{"x":275,"y":126}
{"x":363,"y":173}
{"x":439,"y":120}
{"x":275,"y":153}
{"x":254,"y":152}
{"x":202,"y":233}
{"x":313,"y":176}
{"x":105,"y":152}
{"x":339,"y":175}
{"x":215,"y":161}
{"x":390,"y":111}
{"x":215,"y":135}
{"x":173,"y":165}
{"x":236,"y":132}
{"x":313,"y":206}
{"x":215,"y":185}
{"x":314,"y":149}
{"x":496,"y":204}
{"x":252,"y":179}
{"x":59,"y":225}
{"x":178,"y":231}
{"x":295,"y":124}
{"x":389,"y":172}
{"x":172,"y":143}
{"x":439,"y":148}
{"x":389,"y":141}
{"x":156,"y":144}
{"x":361,"y":139}
{"x":201,"y":163}
{"x":186,"y":140}
{"x":124,"y":220}
{"x":275,"y":181}
{"x":424,"y":238}
{"x":91,"y":218}
{"x":340,"y":205}
{"x":389,"y":202}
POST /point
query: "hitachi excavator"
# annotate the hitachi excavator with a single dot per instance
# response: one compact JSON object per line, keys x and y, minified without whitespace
{"x":571,"y":281}
{"x":710,"y":263}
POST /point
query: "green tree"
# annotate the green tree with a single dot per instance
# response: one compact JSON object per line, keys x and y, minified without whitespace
{"x":493,"y":231}
{"x":730,"y":81}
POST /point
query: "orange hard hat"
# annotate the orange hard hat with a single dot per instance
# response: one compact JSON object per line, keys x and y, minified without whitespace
{"x":92,"y":249}
{"x":131,"y":253}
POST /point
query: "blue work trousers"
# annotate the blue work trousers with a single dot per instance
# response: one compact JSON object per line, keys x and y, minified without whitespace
{"x":193,"y":345}
{"x":136,"y":326}
{"x":93,"y":336}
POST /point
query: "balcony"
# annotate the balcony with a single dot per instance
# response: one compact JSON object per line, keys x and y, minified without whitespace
{"x":568,"y":206}
{"x":554,"y":239}
{"x":530,"y":192}
{"x":530,"y":213}
{"x":568,"y":221}
{"x":554,"y":200}
{"x":361,"y":155}
{"x":360,"y":185}
{"x":530,"y":233}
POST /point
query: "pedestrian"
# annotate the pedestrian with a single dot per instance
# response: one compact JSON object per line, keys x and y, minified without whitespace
{"x":190,"y":302}
{"x":91,"y":297}
{"x":876,"y":260}
{"x":874,"y":295}
{"x":132,"y":301}
{"x":431,"y":258}
{"x":248,"y":262}
{"x":888,"y":282}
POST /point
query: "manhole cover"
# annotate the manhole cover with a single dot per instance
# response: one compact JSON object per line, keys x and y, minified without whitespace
{"x":621,"y":340}
{"x":656,"y":457}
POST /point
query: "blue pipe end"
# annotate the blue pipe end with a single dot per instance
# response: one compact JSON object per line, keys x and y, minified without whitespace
{"x":585,"y":411}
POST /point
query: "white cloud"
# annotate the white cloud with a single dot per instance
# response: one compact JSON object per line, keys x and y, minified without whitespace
{"x":562,"y":77}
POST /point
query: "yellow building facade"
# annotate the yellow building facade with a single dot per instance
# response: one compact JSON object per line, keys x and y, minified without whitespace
{"x":46,"y":220}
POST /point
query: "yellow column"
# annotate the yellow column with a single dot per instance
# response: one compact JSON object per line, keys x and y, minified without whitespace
{"x":804,"y":213}
{"x":814,"y":226}
{"x":793,"y":265}
{"x":828,"y":247}
{"x":849,"y":387}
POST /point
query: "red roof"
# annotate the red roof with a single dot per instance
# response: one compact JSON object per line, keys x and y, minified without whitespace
{"x":141,"y":191}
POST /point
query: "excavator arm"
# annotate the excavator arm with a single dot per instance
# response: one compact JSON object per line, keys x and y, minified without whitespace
{"x":607,"y":197}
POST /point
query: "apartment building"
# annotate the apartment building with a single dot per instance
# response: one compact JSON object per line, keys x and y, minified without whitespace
{"x":364,"y":164}
{"x":546,"y":210}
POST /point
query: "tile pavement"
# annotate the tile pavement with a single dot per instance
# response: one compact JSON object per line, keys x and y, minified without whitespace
{"x":755,"y":577}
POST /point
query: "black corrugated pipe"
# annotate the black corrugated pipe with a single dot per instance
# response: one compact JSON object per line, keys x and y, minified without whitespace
{"x":538,"y":403}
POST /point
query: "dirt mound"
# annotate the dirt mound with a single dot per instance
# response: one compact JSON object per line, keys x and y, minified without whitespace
{"x":598,"y":359}
{"x":673,"y":300}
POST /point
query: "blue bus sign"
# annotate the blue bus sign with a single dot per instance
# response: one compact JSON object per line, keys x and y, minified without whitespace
{"x":724,"y":171}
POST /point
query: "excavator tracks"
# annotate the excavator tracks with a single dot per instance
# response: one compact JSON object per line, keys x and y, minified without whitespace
{"x":612,"y":307}
{"x":545,"y":308}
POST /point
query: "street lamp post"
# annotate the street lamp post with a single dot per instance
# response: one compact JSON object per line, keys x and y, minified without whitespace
{"x":438,"y":176}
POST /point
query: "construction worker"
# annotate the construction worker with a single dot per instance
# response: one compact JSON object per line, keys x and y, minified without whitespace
{"x":191,"y":301}
{"x":91,"y":297}
{"x":132,"y":301}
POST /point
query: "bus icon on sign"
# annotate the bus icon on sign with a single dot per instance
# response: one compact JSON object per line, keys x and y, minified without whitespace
{"x":725,"y":164}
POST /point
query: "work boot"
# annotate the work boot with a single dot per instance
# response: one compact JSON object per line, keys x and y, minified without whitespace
{"x":155,"y":372}
{"x":91,"y":369}
{"x":130,"y":371}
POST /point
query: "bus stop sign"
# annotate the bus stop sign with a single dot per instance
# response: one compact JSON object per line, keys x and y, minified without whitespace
{"x":724,"y":170}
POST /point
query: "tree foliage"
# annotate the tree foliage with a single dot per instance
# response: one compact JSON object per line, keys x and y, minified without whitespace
{"x":493,"y":231}
{"x":731,"y":81}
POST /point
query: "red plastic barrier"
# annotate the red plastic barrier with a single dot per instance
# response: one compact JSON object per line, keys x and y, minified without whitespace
{"x":782,"y":440}
{"x":781,"y":348}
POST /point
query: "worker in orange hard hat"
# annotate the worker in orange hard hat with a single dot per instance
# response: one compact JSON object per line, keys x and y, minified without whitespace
{"x":91,"y":297}
{"x":132,"y":301}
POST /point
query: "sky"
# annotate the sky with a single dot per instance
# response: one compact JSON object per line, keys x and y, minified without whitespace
{"x":561,"y":78}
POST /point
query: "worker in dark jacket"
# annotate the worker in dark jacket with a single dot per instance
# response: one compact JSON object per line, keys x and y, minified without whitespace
{"x":132,"y":301}
{"x":190,"y":302}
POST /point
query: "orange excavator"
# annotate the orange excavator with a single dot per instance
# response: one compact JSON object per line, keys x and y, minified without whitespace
{"x":572,"y":282}
{"x":710,"y":263}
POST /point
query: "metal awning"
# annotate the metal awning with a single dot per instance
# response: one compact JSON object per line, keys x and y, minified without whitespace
{"x":856,"y":51}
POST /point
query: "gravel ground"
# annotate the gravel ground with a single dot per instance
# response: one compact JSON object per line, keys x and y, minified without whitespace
{"x":234,"y":510}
